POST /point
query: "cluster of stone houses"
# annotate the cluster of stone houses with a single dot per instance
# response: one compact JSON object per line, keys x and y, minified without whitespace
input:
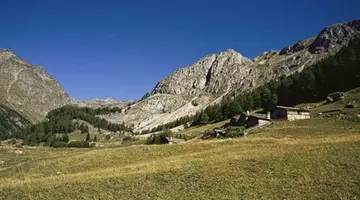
{"x":278,"y":113}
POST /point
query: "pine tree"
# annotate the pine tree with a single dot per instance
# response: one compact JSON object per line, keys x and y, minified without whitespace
{"x":269,"y":100}
{"x":65,"y":138}
{"x":204,"y":118}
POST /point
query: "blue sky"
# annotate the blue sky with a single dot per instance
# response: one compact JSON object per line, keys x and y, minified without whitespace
{"x":121,"y":49}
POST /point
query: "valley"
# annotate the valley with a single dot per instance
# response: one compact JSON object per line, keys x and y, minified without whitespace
{"x":207,"y":131}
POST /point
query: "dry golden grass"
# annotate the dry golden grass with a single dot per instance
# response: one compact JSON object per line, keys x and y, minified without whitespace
{"x":352,"y":95}
{"x":199,"y":130}
{"x":309,"y":159}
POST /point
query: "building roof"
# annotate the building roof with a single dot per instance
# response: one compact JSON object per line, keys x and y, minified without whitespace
{"x":219,"y":130}
{"x":262,"y":118}
{"x":292,"y":108}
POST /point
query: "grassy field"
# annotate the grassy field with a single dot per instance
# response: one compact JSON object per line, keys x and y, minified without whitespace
{"x":309,"y":159}
{"x":199,"y":130}
{"x":352,"y":95}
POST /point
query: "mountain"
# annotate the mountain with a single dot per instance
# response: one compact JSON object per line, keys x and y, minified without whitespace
{"x":30,"y":91}
{"x":27,"y":89}
{"x":205,"y":82}
{"x":10,"y":122}
{"x":101,"y":103}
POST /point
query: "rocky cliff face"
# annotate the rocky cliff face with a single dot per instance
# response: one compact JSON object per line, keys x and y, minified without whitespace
{"x":210,"y":74}
{"x":28,"y":89}
{"x":333,"y":37}
{"x":214,"y":76}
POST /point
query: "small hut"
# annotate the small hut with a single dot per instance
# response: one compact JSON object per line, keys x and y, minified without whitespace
{"x":289,"y":113}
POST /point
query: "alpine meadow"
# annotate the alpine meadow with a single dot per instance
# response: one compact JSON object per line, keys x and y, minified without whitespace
{"x":281,"y":125}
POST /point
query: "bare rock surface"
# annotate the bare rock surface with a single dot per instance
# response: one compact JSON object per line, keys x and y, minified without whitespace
{"x":28,"y":89}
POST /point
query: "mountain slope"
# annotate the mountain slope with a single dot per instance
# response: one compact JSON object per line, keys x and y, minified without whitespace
{"x":10,"y":122}
{"x":28,"y":89}
{"x":194,"y":87}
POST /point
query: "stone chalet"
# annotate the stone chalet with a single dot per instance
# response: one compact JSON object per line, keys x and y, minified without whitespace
{"x":289,"y":113}
{"x":247,"y":120}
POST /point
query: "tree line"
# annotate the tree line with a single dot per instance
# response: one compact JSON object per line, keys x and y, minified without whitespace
{"x":65,"y":120}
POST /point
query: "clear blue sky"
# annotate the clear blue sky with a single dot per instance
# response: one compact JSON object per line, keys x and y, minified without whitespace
{"x":122,"y":48}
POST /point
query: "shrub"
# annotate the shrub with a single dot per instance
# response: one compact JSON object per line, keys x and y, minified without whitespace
{"x":93,"y":145}
{"x":234,"y":131}
{"x":195,"y":103}
{"x":128,"y":139}
{"x":79,"y":144}
{"x":65,"y":138}
{"x":12,"y":141}
{"x":108,"y":137}
{"x":186,"y":126}
{"x":184,"y":136}
{"x":59,"y":144}
{"x":159,"y":138}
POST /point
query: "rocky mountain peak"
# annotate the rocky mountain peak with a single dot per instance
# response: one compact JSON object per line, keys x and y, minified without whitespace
{"x":204,"y":75}
{"x":334,"y":36}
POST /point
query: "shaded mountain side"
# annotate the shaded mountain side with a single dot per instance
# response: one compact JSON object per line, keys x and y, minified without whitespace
{"x":195,"y":87}
{"x":11,"y":122}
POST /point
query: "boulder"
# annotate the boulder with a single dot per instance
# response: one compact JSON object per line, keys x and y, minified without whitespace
{"x":351,"y":104}
{"x":336,"y":96}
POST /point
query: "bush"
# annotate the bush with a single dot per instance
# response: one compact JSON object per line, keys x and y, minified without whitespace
{"x":195,"y":103}
{"x":184,"y":136}
{"x":186,"y":126}
{"x":234,"y":131}
{"x":65,"y":138}
{"x":79,"y":144}
{"x":108,"y":137}
{"x":59,"y":144}
{"x":12,"y":141}
{"x":128,"y":139}
{"x":159,"y":138}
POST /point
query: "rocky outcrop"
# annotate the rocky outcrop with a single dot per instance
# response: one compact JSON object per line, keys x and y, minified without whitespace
{"x":210,"y":74}
{"x":28,"y":89}
{"x":333,"y":37}
{"x":336,"y":96}
{"x":301,"y":45}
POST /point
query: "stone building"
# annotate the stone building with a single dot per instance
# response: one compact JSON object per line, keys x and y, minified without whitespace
{"x":250,"y":120}
{"x":289,"y":113}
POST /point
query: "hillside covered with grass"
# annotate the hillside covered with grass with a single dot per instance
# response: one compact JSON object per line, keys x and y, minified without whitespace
{"x":308,"y":159}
